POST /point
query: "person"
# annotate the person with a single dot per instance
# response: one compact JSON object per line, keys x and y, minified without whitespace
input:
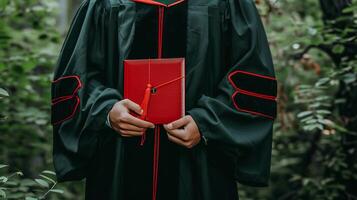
{"x":226,"y":133}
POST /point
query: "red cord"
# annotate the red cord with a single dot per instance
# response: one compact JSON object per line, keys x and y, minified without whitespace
{"x":145,"y":103}
{"x":160,"y":31}
{"x":156,"y":161}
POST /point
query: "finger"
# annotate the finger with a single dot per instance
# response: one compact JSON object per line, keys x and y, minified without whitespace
{"x":178,"y":123}
{"x":132,"y":133}
{"x":138,"y":122}
{"x":121,"y":134}
{"x":178,"y":133}
{"x":176,"y":140}
{"x":130,"y":127}
{"x":127,"y":136}
{"x":131,"y":105}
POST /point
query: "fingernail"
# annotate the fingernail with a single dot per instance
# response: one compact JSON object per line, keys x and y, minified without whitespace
{"x":152,"y":126}
{"x":141,"y":111}
{"x":169,"y":126}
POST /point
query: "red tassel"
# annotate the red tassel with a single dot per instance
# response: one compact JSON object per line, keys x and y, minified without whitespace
{"x":144,"y":106}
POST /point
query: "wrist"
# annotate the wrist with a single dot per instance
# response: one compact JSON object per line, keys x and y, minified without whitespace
{"x":108,"y":121}
{"x":200,"y":130}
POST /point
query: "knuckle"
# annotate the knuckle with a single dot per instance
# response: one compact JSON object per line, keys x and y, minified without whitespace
{"x":128,"y":102}
{"x":147,"y":125}
{"x":124,"y":116}
{"x":186,"y":137}
{"x":121,"y":125}
{"x":190,"y":145}
{"x":124,"y":101}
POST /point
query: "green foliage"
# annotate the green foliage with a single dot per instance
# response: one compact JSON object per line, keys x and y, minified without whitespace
{"x":29,"y":45}
{"x":312,"y":157}
{"x":14,"y":187}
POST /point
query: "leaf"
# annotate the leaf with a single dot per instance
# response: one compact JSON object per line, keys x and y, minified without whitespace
{"x":42,"y":183}
{"x":48,"y":178}
{"x":19,"y":173}
{"x":326,"y":112}
{"x":31,"y":198}
{"x":49,"y":172}
{"x":3,"y":166}
{"x":57,"y":191}
{"x":3,"y":93}
{"x":2,"y":194}
{"x":304,"y":114}
{"x":3,"y":179}
{"x":338,"y":49}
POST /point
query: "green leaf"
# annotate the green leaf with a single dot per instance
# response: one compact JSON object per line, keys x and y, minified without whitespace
{"x":3,"y":166}
{"x":19,"y":173}
{"x":42,"y":183}
{"x":3,"y":93}
{"x":31,"y":198}
{"x":326,"y":112}
{"x":2,"y":194}
{"x":48,"y":178}
{"x":58,"y":191}
{"x":338,"y":49}
{"x":49,"y":172}
{"x":3,"y":179}
{"x":304,"y":114}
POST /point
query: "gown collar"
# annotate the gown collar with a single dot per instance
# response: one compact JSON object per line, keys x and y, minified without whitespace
{"x":156,"y":3}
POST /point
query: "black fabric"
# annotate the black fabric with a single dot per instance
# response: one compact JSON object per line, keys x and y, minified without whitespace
{"x":65,"y":86}
{"x":138,"y":159}
{"x":64,"y":109}
{"x":254,"y":83}
{"x":167,"y":2}
{"x":174,"y":34}
{"x":138,"y":168}
{"x":248,"y":103}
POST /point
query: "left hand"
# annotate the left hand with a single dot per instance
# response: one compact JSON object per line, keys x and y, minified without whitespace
{"x":183,"y":131}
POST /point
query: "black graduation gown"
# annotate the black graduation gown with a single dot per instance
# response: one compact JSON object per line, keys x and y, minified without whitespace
{"x":230,"y":93}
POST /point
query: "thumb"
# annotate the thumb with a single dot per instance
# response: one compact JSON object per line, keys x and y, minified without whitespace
{"x":178,"y":123}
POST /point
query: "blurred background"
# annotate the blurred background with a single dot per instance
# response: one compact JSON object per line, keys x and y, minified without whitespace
{"x":315,"y":139}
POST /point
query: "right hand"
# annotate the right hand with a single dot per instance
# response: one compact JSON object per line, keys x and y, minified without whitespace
{"x":126,"y":124}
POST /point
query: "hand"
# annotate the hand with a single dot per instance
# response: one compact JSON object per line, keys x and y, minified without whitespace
{"x":126,"y":124}
{"x":187,"y":136}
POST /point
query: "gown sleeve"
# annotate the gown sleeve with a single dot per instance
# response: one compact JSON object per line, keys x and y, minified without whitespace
{"x":80,"y":95}
{"x":238,"y":121}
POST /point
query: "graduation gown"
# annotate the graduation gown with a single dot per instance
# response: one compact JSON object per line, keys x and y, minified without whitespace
{"x":230,"y":93}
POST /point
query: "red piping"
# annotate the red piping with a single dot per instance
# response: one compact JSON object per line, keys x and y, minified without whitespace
{"x":74,"y":91}
{"x":73,"y":112}
{"x":264,"y":96}
{"x":155,"y":3}
{"x":156,"y":161}
{"x":67,"y":97}
{"x":160,"y":31}
{"x":258,"y":95}
{"x":252,"y":74}
{"x":146,"y":99}
{"x":249,"y":111}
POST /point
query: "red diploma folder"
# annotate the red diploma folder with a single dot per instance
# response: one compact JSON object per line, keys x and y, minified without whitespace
{"x":158,"y":86}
